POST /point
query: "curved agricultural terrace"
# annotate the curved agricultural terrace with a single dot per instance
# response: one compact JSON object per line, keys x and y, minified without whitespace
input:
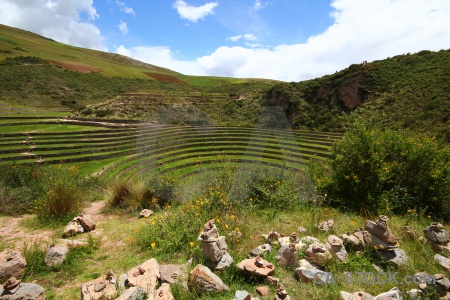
{"x":127,"y":150}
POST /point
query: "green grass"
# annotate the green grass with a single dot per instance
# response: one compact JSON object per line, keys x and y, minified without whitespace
{"x":48,"y":128}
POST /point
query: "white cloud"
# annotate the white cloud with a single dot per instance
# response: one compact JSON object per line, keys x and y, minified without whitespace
{"x":247,"y":37}
{"x":258,"y":5}
{"x":161,"y":56}
{"x":123,"y":27}
{"x":123,"y":7}
{"x":67,"y":21}
{"x":372,"y":30}
{"x":194,"y":13}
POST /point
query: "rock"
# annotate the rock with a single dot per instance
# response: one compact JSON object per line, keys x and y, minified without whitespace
{"x":133,"y":293}
{"x":310,"y":239}
{"x":336,"y":247}
{"x":145,"y":213}
{"x":173,"y":273}
{"x":71,"y":229}
{"x":14,"y":266}
{"x":393,"y":294}
{"x":224,"y":262}
{"x":326,"y":225}
{"x":281,"y":293}
{"x":242,"y":295}
{"x":381,"y":230}
{"x":396,"y":256}
{"x":56,"y":254}
{"x":301,"y":229}
{"x":442,"y":284}
{"x":86,"y":221}
{"x":272,"y":237}
{"x":308,"y":264}
{"x":311,"y":275}
{"x":273,"y":281}
{"x":262,"y":290}
{"x":442,"y":260}
{"x":435,"y":233}
{"x":164,"y":292}
{"x":122,"y":284}
{"x":287,"y":256}
{"x":100,"y":288}
{"x":23,"y":291}
{"x":145,"y":276}
{"x":356,"y":296}
{"x":256,"y":266}
{"x":414,"y":294}
{"x":73,"y":243}
{"x":318,"y":254}
{"x":202,"y":279}
{"x":352,"y":241}
{"x":375,"y":242}
{"x":260,"y":250}
{"x":209,"y":232}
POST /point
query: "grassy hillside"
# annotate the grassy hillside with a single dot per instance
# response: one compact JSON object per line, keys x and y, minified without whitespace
{"x":408,"y":91}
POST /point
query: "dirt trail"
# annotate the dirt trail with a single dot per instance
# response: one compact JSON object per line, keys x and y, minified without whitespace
{"x":14,"y":235}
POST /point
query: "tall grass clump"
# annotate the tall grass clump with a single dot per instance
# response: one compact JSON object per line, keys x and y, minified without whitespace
{"x":387,"y":171}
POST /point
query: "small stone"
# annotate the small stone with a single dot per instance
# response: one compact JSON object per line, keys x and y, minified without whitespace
{"x":383,"y":233}
{"x":71,"y":229}
{"x":443,"y":261}
{"x":302,"y":230}
{"x":393,"y":294}
{"x":335,"y":241}
{"x":224,"y":262}
{"x":23,"y":291}
{"x":281,"y":293}
{"x":87,"y":222}
{"x":273,"y":281}
{"x":100,"y":288}
{"x":56,"y":254}
{"x":374,"y":241}
{"x":308,"y":264}
{"x":356,"y":296}
{"x":318,"y":254}
{"x":242,"y":295}
{"x":133,"y":293}
{"x":122,"y":282}
{"x":164,"y":292}
{"x":260,"y":250}
{"x":262,"y":290}
{"x":173,"y":273}
{"x":145,"y":213}
{"x":311,"y":275}
{"x":326,"y":225}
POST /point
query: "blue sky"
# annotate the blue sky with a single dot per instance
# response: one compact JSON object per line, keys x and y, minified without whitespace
{"x":288,"y":40}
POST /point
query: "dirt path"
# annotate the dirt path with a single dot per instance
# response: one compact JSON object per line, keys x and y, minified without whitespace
{"x":13,"y":235}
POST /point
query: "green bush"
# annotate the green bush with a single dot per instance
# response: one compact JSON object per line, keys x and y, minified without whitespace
{"x":387,"y":171}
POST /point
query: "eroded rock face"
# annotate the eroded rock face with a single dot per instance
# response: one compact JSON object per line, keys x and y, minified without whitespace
{"x":14,"y":266}
{"x":100,"y":288}
{"x":145,"y":276}
{"x":204,"y":280}
{"x":56,"y":254}
{"x":256,"y":266}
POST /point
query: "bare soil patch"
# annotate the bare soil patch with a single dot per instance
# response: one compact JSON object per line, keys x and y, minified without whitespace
{"x":165,"y":78}
{"x":74,"y":67}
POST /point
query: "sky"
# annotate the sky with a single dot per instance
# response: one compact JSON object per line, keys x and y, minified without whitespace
{"x":289,"y":40}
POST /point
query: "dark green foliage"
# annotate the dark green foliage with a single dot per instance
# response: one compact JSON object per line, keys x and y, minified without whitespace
{"x":388,"y":171}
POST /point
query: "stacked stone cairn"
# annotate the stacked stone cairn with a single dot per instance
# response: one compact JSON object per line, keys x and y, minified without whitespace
{"x":438,"y":237}
{"x":214,"y":247}
{"x":14,"y":289}
{"x":79,"y":224}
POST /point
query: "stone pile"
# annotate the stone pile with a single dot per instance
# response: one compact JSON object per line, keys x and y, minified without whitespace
{"x":214,"y":247}
{"x":79,"y":224}
{"x":281,"y":293}
{"x":438,"y":237}
{"x":14,"y":289}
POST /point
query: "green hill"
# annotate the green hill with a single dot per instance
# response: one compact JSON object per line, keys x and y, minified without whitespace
{"x":407,"y":91}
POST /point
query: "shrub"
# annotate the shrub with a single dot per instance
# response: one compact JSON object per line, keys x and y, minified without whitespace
{"x":387,"y":171}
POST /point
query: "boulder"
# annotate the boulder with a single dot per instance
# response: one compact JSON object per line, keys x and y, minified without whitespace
{"x":21,"y":291}
{"x":287,"y":256}
{"x":356,"y":296}
{"x":173,"y":273}
{"x":14,"y":266}
{"x":145,"y":276}
{"x":86,"y":221}
{"x":393,"y":294}
{"x":100,"y":288}
{"x":72,"y":228}
{"x":336,"y":247}
{"x":164,"y":292}
{"x":224,"y":262}
{"x":442,"y":260}
{"x":318,"y":254}
{"x":260,"y":250}
{"x":133,"y":293}
{"x":257,"y":267}
{"x":56,"y":254}
{"x":145,"y":213}
{"x":396,"y":257}
{"x":202,"y":279}
{"x":435,"y":233}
